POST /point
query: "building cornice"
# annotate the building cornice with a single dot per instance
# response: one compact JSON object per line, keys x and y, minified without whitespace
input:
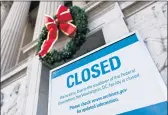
{"x":125,"y":5}
{"x":16,"y":69}
{"x":91,"y":5}
{"x":29,"y":47}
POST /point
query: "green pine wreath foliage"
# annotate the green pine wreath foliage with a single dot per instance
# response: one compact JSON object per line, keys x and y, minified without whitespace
{"x":54,"y":57}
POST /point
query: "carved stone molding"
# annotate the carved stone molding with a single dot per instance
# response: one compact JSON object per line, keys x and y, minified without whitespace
{"x":13,"y":97}
{"x":151,"y":22}
{"x":164,"y":9}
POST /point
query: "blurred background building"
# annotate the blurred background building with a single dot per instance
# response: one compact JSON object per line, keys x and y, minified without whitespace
{"x":25,"y":80}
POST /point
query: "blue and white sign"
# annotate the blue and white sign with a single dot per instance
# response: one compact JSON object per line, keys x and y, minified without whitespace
{"x":118,"y":78}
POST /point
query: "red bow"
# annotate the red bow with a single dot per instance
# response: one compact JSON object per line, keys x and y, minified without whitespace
{"x":63,"y":20}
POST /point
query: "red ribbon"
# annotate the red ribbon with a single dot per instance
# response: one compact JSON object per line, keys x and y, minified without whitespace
{"x":63,"y":20}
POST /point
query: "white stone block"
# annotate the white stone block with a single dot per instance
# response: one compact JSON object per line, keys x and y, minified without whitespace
{"x":114,"y":30}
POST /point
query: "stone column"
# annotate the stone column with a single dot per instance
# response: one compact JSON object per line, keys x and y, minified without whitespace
{"x":49,"y":8}
{"x":37,"y":85}
{"x":5,"y":7}
{"x":11,"y":34}
{"x":79,"y":3}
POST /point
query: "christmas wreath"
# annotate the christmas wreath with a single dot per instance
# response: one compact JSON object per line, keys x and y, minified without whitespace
{"x":72,"y":22}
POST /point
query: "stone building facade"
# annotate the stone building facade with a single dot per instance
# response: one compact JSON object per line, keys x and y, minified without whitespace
{"x":25,"y":80}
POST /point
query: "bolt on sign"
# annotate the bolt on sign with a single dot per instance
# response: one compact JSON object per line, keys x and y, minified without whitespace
{"x":117,"y":78}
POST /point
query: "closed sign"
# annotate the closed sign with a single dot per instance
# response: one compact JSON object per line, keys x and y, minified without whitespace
{"x":117,"y":78}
